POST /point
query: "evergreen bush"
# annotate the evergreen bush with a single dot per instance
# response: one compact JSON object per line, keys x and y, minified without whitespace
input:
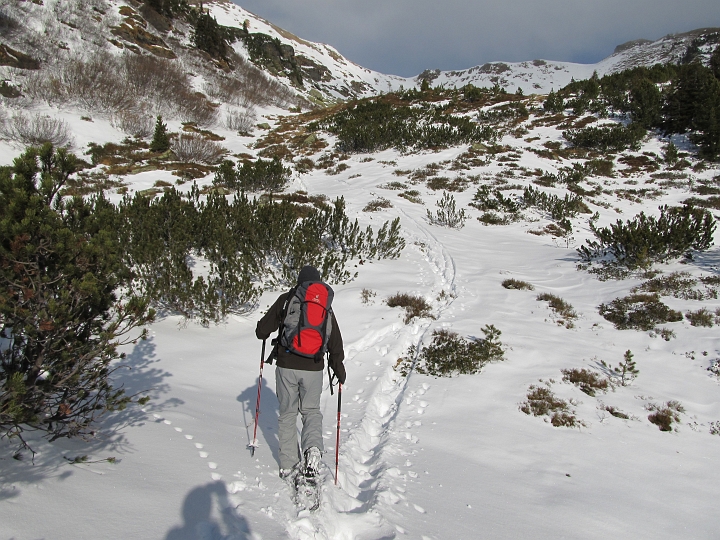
{"x":67,"y":301}
{"x":450,"y":354}
{"x":646,"y":239}
{"x":374,"y":125}
{"x":160,"y":141}
{"x":639,"y":312}
{"x":606,"y":139}
{"x":447,"y":214}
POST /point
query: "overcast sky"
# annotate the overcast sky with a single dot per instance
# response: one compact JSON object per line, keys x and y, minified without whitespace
{"x":405,"y":37}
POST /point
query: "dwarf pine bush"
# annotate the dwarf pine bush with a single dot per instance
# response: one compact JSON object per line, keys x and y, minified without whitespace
{"x":414,"y":306}
{"x":378,"y":124}
{"x":447,"y":214}
{"x":640,"y":311}
{"x":450,"y":354}
{"x":647,"y":239}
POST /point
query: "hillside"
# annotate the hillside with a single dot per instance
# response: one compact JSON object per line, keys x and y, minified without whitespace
{"x":531,"y":352}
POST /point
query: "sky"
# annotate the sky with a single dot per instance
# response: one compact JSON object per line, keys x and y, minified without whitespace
{"x":405,"y":37}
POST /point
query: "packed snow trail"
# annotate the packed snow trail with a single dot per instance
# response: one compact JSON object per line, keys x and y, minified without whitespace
{"x":365,"y":478}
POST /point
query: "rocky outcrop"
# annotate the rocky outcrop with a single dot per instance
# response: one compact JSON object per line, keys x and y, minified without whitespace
{"x":133,"y":32}
{"x":11,"y":57}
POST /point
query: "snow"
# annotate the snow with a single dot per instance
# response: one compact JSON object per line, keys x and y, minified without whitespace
{"x":420,"y":457}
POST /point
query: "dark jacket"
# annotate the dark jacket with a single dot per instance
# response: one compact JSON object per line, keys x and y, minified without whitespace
{"x":285,"y":359}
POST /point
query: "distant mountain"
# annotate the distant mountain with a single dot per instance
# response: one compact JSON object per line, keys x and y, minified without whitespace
{"x":35,"y":35}
{"x":541,"y":76}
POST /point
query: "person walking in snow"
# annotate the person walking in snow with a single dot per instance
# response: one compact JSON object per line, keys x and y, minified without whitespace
{"x":300,"y":315}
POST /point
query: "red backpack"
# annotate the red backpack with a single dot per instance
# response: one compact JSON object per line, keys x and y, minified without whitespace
{"x":306,"y":325}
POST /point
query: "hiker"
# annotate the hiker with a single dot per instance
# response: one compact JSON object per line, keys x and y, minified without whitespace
{"x":299,"y":378}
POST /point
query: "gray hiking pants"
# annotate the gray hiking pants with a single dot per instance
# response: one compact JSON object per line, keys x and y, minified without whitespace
{"x":298,"y":392}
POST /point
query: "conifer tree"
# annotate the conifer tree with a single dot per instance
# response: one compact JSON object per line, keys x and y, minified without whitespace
{"x":160,"y":141}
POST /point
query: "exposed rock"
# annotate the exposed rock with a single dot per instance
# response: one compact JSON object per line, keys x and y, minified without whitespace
{"x":494,"y":67}
{"x":312,"y":70}
{"x":133,"y":31}
{"x":11,"y":57}
{"x":630,"y":44}
{"x":428,"y":75}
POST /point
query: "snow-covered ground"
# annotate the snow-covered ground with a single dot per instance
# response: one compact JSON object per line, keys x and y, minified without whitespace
{"x":420,"y":457}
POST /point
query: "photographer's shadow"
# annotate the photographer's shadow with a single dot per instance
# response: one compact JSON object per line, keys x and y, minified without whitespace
{"x":198,"y":521}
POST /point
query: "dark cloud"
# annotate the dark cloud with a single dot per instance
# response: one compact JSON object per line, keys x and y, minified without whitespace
{"x":404,"y":37}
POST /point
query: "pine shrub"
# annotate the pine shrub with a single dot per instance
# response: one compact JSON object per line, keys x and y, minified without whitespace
{"x":450,"y":354}
{"x":447,"y":214}
{"x":66,"y":301}
{"x":640,"y":311}
{"x":646,"y":239}
{"x":625,"y":372}
{"x":160,"y":141}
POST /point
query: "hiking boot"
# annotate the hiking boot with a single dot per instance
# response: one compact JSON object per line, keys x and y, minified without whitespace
{"x":312,"y":462}
{"x":289,"y":474}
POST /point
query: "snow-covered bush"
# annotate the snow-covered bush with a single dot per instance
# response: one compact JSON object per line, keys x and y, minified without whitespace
{"x":193,"y":148}
{"x":36,"y":130}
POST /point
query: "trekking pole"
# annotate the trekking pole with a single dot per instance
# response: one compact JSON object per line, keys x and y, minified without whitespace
{"x":253,"y":445}
{"x":337,"y":442}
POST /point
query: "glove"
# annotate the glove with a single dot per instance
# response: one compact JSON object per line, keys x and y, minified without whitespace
{"x":339,"y":371}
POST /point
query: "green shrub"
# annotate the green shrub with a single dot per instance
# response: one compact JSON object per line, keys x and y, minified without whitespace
{"x":66,"y":302}
{"x":378,"y":124}
{"x":625,"y":372}
{"x":643,"y":240}
{"x":559,"y":209}
{"x":160,"y":141}
{"x":450,"y":354}
{"x":447,"y":214}
{"x":414,"y":306}
{"x":701,"y":317}
{"x":488,"y":199}
{"x":639,"y":312}
{"x":517,"y":284}
{"x":587,"y":381}
{"x":615,"y":138}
